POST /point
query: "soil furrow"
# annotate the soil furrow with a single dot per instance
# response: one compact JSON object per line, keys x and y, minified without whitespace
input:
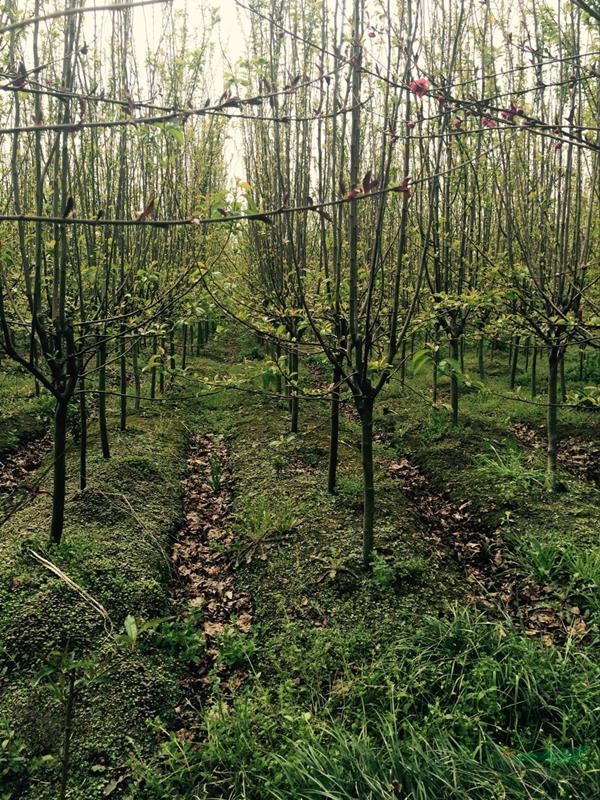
{"x":204,"y":581}
{"x":498,"y":581}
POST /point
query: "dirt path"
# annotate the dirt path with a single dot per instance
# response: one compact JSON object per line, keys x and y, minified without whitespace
{"x":203,"y":573}
{"x":16,"y":466}
{"x":498,"y":581}
{"x":575,"y":455}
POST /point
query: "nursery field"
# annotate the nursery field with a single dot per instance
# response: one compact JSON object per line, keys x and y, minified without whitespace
{"x":299,"y":400}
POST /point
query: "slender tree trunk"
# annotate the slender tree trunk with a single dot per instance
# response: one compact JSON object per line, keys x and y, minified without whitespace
{"x":334,"y":431}
{"x":454,"y":353}
{"x":563,"y":380}
{"x":153,"y":370}
{"x":184,"y":346}
{"x":171,"y":356}
{"x":534,"y":355}
{"x":403,"y":364}
{"x":122,"y":382}
{"x":136,"y":375}
{"x":294,"y":389}
{"x":366,"y":416}
{"x":278,"y":382}
{"x":83,"y":435}
{"x":527,"y":353}
{"x":60,"y":471}
{"x":514,"y":360}
{"x":552,"y":418}
{"x":199,"y":338}
{"x":480,"y":357}
{"x":161,"y":380}
{"x":102,"y":401}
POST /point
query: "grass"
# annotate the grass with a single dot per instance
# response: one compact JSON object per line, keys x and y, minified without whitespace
{"x":379,"y":686}
{"x":508,"y":468}
{"x":454,"y":707}
{"x":24,"y":416}
{"x":371,"y":685}
{"x":116,"y":545}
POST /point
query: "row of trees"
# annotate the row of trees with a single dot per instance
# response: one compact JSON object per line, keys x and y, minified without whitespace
{"x":415,"y":172}
{"x":81,"y":142}
{"x":444,"y":164}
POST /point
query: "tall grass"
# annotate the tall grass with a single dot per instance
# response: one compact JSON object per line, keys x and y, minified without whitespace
{"x":453,"y":709}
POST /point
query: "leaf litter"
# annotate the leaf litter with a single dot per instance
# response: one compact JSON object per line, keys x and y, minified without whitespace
{"x":204,"y":581}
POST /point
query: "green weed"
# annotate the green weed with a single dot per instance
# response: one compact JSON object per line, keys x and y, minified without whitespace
{"x":384,"y":574}
{"x":456,"y":708}
{"x":260,"y":518}
{"x":508,"y":471}
{"x":216,"y":473}
{"x":235,"y":647}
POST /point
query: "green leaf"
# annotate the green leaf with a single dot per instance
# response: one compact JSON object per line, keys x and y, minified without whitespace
{"x":131,"y":629}
{"x":176,"y":133}
{"x":420,"y":358}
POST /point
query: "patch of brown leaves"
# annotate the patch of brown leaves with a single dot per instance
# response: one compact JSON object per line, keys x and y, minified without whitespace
{"x":204,"y":578}
{"x":497,"y":580}
{"x":16,"y":466}
{"x":575,"y":455}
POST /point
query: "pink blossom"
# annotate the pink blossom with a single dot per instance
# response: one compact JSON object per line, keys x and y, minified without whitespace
{"x":420,"y":86}
{"x":488,"y":122}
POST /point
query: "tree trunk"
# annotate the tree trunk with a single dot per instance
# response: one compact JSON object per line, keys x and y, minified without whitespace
{"x":184,"y":347}
{"x":294,"y":389}
{"x":123,"y":383}
{"x":278,"y":382}
{"x":534,"y":355}
{"x":60,"y":471}
{"x":153,"y":370}
{"x":455,"y":354}
{"x":172,"y":363}
{"x":102,"y":401}
{"x":334,"y":431}
{"x":514,"y":361}
{"x":82,"y":435}
{"x":403,"y":364}
{"x":552,"y":419}
{"x":163,"y":365}
{"x":136,"y":376}
{"x":366,"y":416}
{"x":480,"y":357}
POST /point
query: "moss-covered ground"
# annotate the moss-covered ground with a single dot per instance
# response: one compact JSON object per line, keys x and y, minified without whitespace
{"x":390,"y":683}
{"x":24,"y":416}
